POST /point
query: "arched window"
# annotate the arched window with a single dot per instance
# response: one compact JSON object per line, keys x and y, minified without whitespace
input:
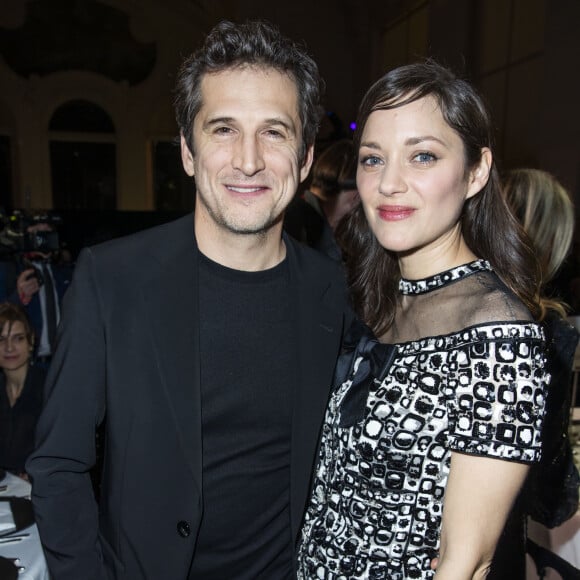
{"x":83,"y":157}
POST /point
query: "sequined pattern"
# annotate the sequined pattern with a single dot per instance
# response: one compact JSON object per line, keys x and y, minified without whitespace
{"x":434,"y":282}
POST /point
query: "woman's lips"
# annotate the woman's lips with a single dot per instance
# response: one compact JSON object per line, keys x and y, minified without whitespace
{"x":393,"y":213}
{"x":9,"y":359}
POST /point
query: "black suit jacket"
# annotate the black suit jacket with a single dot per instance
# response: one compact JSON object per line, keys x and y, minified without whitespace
{"x":128,"y":347}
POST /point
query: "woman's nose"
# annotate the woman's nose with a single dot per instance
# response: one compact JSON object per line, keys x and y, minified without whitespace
{"x":392,"y":180}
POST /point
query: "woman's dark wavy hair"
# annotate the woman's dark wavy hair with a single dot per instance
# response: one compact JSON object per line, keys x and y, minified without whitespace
{"x":254,"y":43}
{"x":11,"y":313}
{"x":488,"y":227}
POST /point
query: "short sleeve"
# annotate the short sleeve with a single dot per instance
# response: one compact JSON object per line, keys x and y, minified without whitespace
{"x":498,"y":385}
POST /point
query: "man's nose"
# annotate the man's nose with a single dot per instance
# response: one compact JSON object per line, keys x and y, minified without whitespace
{"x":248,"y":155}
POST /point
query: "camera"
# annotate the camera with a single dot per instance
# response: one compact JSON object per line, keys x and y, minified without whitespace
{"x":23,"y":233}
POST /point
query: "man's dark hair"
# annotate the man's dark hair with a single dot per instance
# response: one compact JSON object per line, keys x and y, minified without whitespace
{"x":254,"y":43}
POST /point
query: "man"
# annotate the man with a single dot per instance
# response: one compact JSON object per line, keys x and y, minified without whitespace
{"x":208,"y":344}
{"x":40,"y":288}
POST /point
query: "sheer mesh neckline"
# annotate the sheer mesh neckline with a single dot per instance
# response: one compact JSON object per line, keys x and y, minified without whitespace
{"x":443,"y":278}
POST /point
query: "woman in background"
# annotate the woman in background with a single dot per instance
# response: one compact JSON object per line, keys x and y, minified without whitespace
{"x":545,"y":210}
{"x":20,"y":389}
{"x":436,"y":415}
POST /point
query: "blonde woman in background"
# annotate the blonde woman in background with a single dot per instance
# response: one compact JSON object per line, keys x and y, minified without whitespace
{"x":545,"y":210}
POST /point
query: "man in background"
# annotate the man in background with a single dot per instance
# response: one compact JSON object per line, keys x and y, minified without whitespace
{"x":40,"y":287}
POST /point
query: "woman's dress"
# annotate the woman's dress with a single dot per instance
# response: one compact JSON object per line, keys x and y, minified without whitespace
{"x":18,"y":422}
{"x":467,"y":376}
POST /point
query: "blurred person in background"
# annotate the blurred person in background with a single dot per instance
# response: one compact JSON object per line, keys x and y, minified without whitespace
{"x":312,"y":218}
{"x":41,"y":284}
{"x":545,"y":210}
{"x":21,"y":386}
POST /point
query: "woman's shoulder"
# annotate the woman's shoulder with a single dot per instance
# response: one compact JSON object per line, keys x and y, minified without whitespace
{"x":486,"y":299}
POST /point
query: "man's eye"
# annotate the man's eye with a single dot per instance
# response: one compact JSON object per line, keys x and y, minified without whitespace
{"x":274,"y":133}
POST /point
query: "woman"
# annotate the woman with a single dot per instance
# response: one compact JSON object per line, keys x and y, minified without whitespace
{"x":20,"y":389}
{"x":429,"y":433}
{"x":545,"y":210}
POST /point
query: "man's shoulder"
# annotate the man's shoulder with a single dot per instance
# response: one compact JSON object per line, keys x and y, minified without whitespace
{"x":310,"y":259}
{"x":317,"y":272}
{"x":147,"y":242}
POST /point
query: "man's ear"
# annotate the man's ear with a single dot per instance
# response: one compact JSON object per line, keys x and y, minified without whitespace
{"x":307,"y":163}
{"x":187,"y":158}
{"x":479,"y":175}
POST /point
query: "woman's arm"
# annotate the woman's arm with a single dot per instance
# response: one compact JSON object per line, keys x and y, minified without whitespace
{"x":479,"y":495}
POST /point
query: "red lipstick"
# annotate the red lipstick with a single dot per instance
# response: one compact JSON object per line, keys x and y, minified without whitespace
{"x":393,"y":213}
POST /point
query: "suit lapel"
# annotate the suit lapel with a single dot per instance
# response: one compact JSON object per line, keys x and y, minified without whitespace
{"x":171,"y":301}
{"x":320,"y":331}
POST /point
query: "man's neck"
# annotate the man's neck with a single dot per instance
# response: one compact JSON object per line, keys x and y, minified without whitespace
{"x":246,"y":252}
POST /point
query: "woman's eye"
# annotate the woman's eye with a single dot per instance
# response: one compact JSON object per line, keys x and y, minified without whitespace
{"x":425,"y":157}
{"x":370,"y":160}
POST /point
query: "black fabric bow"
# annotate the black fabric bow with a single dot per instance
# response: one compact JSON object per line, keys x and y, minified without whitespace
{"x":376,"y":361}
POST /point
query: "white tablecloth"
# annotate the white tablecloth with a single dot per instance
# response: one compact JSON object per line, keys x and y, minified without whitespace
{"x":28,"y":550}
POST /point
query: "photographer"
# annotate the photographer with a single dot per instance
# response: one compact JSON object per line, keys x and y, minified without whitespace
{"x":41,"y":282}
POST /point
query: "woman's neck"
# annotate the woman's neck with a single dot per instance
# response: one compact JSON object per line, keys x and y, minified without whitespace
{"x":426,"y":262}
{"x":15,"y":380}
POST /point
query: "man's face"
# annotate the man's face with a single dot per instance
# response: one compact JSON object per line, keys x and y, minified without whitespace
{"x":246,"y":162}
{"x":35,"y":229}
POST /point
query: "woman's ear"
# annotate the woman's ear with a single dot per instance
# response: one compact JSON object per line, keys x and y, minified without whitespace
{"x":479,"y":175}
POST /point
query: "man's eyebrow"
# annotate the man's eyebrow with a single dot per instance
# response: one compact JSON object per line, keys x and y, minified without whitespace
{"x":217,"y":121}
{"x":271,"y":121}
{"x":280,"y":121}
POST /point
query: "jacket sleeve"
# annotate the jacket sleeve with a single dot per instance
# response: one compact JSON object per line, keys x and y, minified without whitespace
{"x":74,"y":404}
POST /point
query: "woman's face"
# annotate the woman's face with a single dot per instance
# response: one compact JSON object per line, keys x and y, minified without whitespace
{"x":412,"y":178}
{"x":15,"y":348}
